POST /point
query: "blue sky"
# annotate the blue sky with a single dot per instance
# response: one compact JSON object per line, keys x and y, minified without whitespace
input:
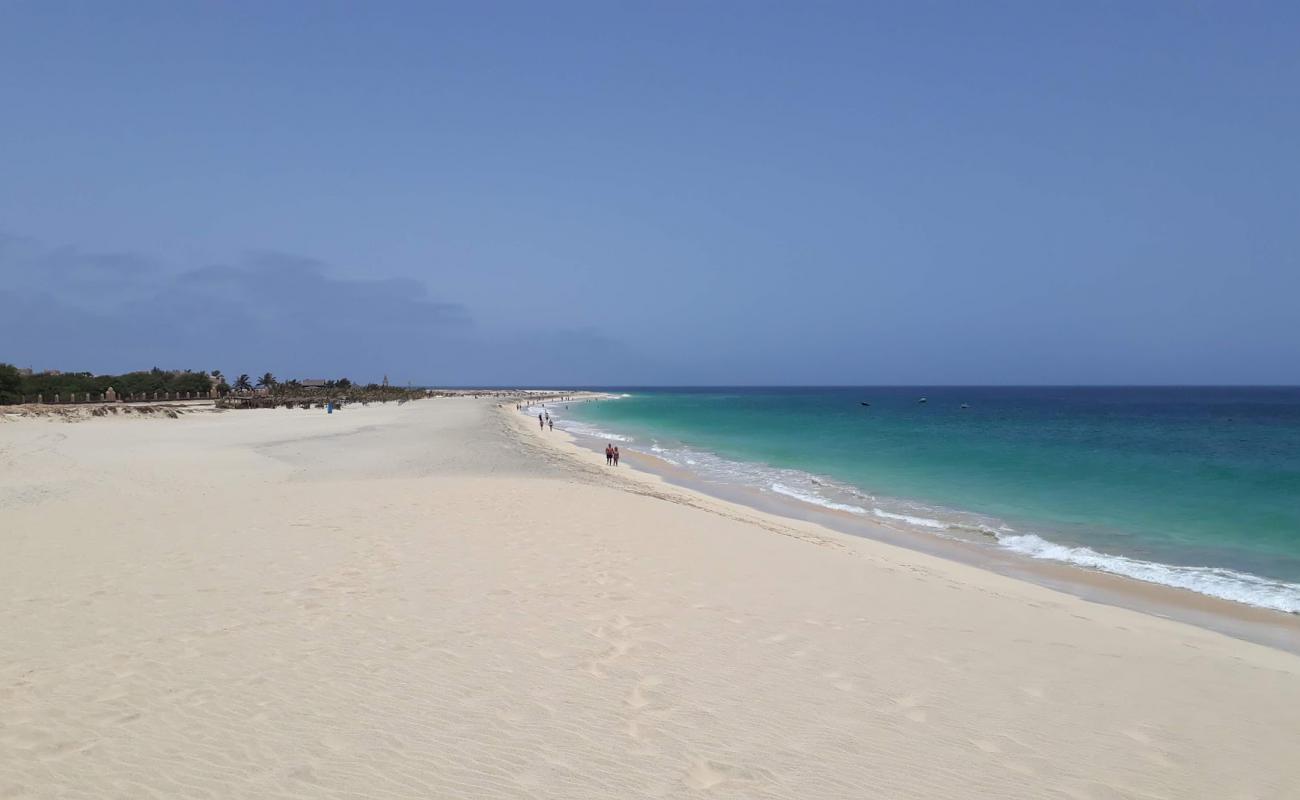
{"x":721,"y":192}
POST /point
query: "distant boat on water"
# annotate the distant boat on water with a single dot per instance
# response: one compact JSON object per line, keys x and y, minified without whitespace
{"x":865,"y":403}
{"x":965,"y":405}
{"x":923,"y":400}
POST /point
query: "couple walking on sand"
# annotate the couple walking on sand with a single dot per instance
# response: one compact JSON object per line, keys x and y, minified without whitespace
{"x":611,"y":455}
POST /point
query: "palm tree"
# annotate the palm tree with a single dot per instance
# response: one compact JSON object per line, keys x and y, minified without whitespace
{"x":267,"y":381}
{"x":243,"y":383}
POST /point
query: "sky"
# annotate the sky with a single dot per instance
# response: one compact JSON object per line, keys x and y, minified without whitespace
{"x":611,"y":193}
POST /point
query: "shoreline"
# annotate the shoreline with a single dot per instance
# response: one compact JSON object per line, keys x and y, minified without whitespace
{"x":425,"y":600}
{"x":1268,"y":627}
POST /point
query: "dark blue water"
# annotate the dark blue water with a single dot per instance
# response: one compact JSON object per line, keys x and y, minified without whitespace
{"x":1193,"y":487}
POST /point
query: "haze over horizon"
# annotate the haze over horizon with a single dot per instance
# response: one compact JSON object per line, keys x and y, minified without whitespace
{"x":599,"y":194}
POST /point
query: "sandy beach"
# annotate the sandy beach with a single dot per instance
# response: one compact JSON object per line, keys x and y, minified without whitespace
{"x":438,"y":600}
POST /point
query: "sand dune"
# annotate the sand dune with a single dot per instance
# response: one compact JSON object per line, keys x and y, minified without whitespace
{"x":431,"y":601}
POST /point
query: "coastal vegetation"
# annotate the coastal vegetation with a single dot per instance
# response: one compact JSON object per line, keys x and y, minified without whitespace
{"x":11,"y":383}
{"x":272,"y":393}
{"x":16,"y":384}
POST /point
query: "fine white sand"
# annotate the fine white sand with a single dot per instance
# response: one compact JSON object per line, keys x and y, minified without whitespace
{"x":436,"y":600}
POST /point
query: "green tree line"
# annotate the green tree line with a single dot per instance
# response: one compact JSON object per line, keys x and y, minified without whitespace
{"x":14,"y":385}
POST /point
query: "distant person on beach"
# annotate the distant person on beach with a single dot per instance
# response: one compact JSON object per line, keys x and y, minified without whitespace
{"x":550,"y":423}
{"x":616,"y":456}
{"x":541,"y":423}
{"x":609,"y":454}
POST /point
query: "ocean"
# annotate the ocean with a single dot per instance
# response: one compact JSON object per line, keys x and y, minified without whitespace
{"x":1197,"y":488}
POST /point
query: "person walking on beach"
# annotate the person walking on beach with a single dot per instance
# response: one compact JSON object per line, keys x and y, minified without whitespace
{"x":541,"y":423}
{"x":616,"y":456}
{"x":609,"y":454}
{"x":550,"y":423}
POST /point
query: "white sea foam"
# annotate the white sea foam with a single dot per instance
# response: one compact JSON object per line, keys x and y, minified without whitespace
{"x":1213,"y":581}
{"x":815,"y":499}
{"x":587,"y":430}
{"x":578,"y":428}
{"x":662,"y":454}
{"x":920,"y":522}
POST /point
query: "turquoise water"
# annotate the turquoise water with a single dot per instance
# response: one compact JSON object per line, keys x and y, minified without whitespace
{"x":1192,"y":487}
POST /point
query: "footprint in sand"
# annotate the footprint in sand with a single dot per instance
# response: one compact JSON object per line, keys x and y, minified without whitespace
{"x":617,"y":650}
{"x":839,"y":681}
{"x":707,"y":774}
{"x":1138,"y":736}
{"x":636,"y":699}
{"x":1158,"y":759}
{"x":1151,"y":750}
{"x":509,"y":715}
{"x":909,"y":704}
{"x":334,"y":743}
